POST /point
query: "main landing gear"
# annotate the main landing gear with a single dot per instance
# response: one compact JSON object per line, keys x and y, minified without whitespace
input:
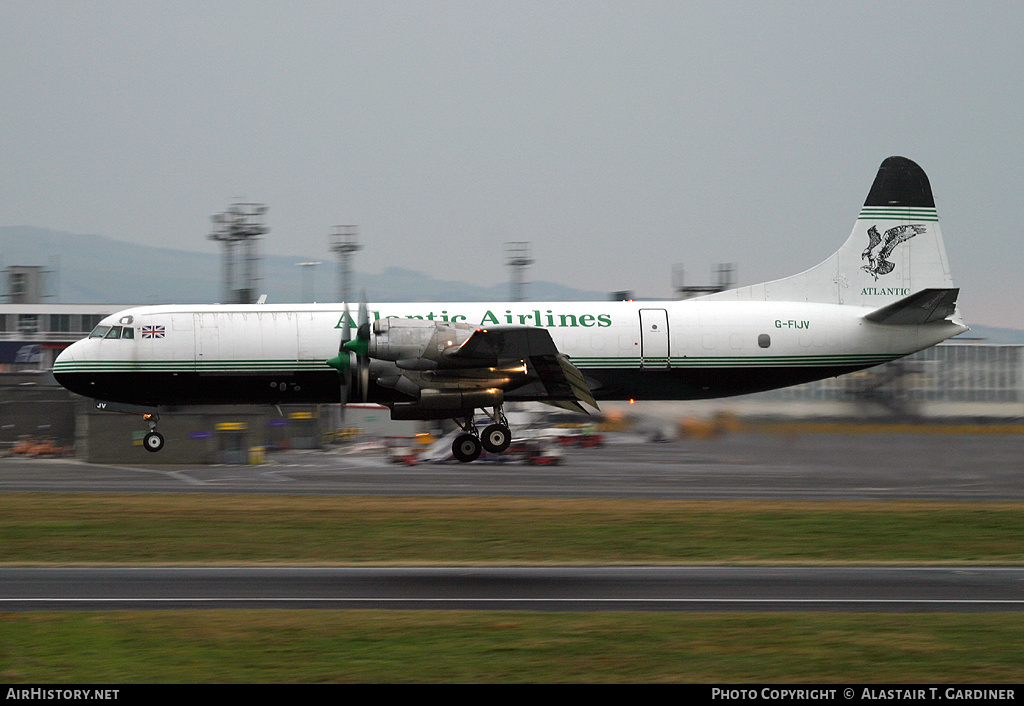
{"x":496,"y":437}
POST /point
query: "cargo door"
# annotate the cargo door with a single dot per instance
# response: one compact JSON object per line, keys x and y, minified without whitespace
{"x":207,"y":340}
{"x":654,"y":342}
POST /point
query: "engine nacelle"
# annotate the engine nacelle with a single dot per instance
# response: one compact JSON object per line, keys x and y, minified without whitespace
{"x":437,"y":404}
{"x":412,"y":340}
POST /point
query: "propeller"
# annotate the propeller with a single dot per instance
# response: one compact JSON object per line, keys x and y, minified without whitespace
{"x":360,"y":345}
{"x":342,"y":362}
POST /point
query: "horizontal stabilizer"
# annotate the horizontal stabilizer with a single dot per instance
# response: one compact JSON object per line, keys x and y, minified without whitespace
{"x":923,"y":307}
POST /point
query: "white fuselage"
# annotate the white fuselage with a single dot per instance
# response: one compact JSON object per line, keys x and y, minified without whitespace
{"x":223,"y":354}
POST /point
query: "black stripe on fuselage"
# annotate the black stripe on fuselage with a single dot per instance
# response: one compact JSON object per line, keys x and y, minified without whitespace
{"x":323,"y":387}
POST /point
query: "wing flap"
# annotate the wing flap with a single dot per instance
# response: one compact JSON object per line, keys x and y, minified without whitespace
{"x":567,"y":405}
{"x":577,"y":382}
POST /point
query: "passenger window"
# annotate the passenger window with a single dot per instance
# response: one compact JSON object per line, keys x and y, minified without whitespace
{"x":99,"y":332}
{"x":114,"y":332}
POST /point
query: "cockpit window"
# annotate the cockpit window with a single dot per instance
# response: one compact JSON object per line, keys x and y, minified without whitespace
{"x":121,"y":332}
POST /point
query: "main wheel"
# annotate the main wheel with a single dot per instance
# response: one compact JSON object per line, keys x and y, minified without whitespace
{"x":466,"y":448}
{"x":496,"y":438}
{"x":153,"y":441}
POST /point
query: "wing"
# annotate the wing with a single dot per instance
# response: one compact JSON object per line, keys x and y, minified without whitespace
{"x":440,"y":367}
{"x":550,"y":374}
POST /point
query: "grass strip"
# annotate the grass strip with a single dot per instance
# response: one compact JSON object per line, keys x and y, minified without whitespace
{"x":66,"y":529}
{"x":288,"y":646}
{"x":282,"y":646}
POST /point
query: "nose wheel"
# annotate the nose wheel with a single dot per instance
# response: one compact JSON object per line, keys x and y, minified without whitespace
{"x":153,"y":441}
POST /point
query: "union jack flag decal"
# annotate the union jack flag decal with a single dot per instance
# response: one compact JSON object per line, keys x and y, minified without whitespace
{"x":152,"y":331}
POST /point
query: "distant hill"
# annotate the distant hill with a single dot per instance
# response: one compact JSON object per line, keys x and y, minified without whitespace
{"x":93,"y":269}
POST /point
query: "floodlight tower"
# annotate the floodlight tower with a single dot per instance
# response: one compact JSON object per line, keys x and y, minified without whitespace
{"x":724,"y":272}
{"x":345,"y":242}
{"x":517,"y":257}
{"x":239,"y":229}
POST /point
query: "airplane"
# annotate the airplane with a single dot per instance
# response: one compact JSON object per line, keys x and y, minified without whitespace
{"x":886,"y":293}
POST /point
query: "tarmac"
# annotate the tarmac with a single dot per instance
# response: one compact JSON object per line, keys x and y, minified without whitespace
{"x":745,"y":464}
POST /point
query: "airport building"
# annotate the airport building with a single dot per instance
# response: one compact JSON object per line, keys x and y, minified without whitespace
{"x":959,"y":379}
{"x":33,"y":333}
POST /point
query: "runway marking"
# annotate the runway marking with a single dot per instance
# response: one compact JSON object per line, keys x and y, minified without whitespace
{"x":780,"y":601}
{"x":178,"y":475}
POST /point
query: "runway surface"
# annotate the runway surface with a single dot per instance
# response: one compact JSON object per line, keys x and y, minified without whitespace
{"x":808,"y":466}
{"x":741,"y":465}
{"x":543,"y":588}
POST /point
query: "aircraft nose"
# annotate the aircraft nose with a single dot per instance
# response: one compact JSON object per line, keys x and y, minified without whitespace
{"x":64,"y":368}
{"x":68,"y":355}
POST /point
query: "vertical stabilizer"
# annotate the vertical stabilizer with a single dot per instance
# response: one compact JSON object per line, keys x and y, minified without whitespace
{"x":895,"y":250}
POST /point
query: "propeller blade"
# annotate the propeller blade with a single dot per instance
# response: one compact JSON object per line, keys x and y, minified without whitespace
{"x":364,"y":379}
{"x":363,"y":352}
{"x":364,"y":313}
{"x":343,"y":361}
{"x":346,"y":329}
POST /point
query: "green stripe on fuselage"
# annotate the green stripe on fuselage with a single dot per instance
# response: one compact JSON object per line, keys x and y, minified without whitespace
{"x":590,"y":363}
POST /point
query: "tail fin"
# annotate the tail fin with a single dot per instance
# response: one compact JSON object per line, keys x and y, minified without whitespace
{"x":895,"y":250}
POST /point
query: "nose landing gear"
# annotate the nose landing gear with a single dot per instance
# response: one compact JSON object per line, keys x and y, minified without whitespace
{"x":153,"y":441}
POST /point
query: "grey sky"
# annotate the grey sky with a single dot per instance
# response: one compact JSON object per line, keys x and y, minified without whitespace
{"x":618,"y":137}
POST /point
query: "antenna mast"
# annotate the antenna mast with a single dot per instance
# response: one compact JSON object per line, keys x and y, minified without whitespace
{"x":239,"y":229}
{"x":345,"y":242}
{"x":517,"y":257}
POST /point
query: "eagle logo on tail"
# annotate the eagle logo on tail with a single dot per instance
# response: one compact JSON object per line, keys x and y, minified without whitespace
{"x":878,"y":262}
